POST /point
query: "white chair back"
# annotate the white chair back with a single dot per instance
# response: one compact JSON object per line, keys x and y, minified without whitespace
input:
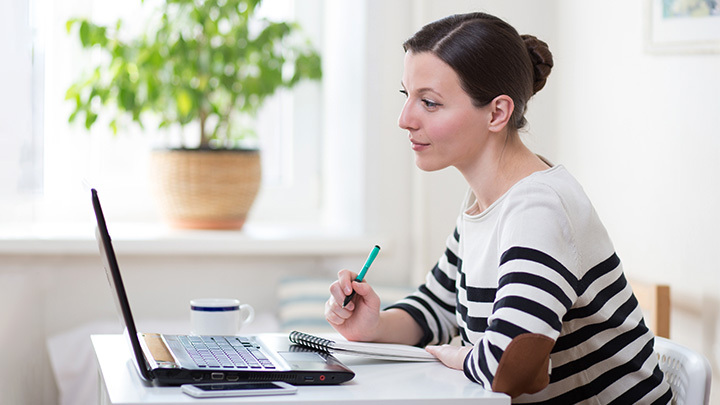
{"x":687,"y":371}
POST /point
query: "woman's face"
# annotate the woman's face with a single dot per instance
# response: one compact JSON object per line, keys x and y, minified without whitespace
{"x":444,"y":127}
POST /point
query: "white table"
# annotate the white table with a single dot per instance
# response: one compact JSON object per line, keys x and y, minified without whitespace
{"x":376,"y":382}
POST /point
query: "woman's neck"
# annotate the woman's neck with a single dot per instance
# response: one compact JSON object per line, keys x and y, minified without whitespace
{"x":499,"y":169}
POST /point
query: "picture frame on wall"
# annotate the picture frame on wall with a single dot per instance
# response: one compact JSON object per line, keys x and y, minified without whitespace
{"x":683,"y":26}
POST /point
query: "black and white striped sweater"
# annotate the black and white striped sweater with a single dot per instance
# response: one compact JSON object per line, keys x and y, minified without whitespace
{"x":539,"y":260}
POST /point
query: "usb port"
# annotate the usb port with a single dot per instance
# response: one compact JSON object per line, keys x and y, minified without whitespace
{"x":217,"y":376}
{"x":309,"y":378}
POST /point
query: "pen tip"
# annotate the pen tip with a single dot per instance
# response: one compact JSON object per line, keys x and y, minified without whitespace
{"x":377,"y":246}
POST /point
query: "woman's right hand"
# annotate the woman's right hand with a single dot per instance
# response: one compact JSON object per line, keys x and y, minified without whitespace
{"x":360,"y":318}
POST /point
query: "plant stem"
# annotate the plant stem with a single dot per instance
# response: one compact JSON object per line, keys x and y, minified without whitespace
{"x":204,"y":140}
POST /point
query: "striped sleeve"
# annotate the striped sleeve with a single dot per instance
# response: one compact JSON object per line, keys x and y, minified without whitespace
{"x":535,"y":287}
{"x":534,"y":292}
{"x":433,"y":304}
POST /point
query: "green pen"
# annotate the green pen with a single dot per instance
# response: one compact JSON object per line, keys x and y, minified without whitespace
{"x":361,"y":276}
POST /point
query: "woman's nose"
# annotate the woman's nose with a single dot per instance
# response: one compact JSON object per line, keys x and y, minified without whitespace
{"x":406,"y":120}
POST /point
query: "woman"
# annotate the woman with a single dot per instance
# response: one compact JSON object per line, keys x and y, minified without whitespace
{"x":529,"y":280}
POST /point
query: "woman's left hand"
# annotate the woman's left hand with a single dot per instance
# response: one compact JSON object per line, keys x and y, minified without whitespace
{"x":451,"y":356}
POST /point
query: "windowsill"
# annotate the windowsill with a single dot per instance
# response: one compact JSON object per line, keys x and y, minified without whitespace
{"x":157,"y":239}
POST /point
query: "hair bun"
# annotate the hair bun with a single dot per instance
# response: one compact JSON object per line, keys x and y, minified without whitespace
{"x":541,"y":58}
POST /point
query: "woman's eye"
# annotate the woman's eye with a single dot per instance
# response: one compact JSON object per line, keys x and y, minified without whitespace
{"x":430,"y":104}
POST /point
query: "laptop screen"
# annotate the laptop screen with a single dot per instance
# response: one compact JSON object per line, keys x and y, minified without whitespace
{"x":113,"y":274}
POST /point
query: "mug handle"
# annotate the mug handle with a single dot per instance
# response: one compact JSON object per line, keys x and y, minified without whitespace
{"x":247,"y":314}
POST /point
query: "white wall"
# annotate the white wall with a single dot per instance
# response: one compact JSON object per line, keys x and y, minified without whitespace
{"x":25,"y":369}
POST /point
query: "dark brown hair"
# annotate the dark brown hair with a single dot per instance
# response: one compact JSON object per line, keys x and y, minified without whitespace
{"x":489,"y":56}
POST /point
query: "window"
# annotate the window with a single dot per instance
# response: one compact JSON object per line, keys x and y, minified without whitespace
{"x":20,"y":137}
{"x":45,"y":160}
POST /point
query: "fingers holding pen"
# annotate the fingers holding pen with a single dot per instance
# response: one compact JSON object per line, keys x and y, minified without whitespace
{"x":353,"y":308}
{"x":343,"y":286}
{"x":348,"y":281}
{"x":335,"y":313}
{"x":345,"y":282}
{"x":364,"y":296}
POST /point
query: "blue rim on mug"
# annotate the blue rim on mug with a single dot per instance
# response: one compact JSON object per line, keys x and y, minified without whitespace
{"x":214,"y":304}
{"x":214,"y":309}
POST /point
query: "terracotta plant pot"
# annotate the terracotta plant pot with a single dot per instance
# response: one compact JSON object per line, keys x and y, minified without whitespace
{"x":206,"y":188}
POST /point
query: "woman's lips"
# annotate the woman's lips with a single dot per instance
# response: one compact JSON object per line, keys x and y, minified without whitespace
{"x":418,"y":146}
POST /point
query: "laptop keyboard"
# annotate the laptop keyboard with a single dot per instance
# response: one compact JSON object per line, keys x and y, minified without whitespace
{"x":225,"y":352}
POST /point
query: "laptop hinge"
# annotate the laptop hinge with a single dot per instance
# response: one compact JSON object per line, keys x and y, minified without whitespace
{"x":156,"y":351}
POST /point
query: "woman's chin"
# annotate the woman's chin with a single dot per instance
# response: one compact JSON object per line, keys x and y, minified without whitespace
{"x":428,"y":166}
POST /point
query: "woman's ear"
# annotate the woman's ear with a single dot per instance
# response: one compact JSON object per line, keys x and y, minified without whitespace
{"x":502,"y":108}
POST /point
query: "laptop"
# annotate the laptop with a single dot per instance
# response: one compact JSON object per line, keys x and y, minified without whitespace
{"x":165,"y":359}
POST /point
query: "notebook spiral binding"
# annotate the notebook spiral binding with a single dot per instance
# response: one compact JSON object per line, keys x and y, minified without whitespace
{"x":308,"y":340}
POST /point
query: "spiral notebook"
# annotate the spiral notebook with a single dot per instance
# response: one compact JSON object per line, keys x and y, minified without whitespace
{"x":383,"y":351}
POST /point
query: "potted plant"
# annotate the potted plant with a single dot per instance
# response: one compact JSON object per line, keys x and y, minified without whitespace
{"x":206,"y":65}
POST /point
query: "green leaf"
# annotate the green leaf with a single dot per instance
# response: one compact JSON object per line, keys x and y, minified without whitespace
{"x":90,"y":118}
{"x":72,"y":92}
{"x":184,"y":102}
{"x":85,"y":33}
{"x":69,"y":23}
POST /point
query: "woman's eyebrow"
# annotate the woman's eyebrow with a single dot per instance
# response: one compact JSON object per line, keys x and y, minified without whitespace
{"x":422,"y":90}
{"x":427,"y":90}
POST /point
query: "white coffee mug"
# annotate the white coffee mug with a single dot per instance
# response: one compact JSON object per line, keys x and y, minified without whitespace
{"x":219,"y":316}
